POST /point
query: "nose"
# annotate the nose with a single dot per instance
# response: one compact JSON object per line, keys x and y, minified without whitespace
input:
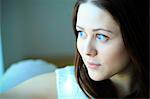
{"x":90,"y":49}
{"x":91,"y":53}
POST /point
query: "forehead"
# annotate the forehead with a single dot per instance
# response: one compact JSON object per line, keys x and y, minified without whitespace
{"x":92,"y":16}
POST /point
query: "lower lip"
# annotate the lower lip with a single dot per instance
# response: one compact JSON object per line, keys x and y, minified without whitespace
{"x":93,"y":66}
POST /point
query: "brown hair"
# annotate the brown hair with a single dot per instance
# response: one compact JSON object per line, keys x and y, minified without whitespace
{"x":132,"y":16}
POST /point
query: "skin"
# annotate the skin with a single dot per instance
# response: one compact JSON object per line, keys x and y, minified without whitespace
{"x":101,"y":46}
{"x":39,"y":87}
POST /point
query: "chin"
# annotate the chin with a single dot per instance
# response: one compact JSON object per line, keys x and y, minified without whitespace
{"x":96,"y":77}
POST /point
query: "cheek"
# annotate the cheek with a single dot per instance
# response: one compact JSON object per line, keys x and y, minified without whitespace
{"x":117,"y":57}
{"x":79,"y":46}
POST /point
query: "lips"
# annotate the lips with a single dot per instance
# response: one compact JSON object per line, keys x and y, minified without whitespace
{"x":93,"y":65}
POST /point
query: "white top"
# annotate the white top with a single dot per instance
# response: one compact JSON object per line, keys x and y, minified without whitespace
{"x":67,"y":87}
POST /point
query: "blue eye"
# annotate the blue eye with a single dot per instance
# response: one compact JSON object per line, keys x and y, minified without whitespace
{"x":102,"y":37}
{"x":81,"y":34}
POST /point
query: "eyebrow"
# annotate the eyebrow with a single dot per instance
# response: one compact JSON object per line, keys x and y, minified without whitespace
{"x":95,"y":30}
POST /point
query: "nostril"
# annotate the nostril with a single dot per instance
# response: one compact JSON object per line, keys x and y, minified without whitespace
{"x":92,"y":52}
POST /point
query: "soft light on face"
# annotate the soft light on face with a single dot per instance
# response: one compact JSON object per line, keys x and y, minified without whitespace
{"x":100,"y":42}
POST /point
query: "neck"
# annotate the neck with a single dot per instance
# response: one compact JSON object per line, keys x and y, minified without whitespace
{"x":122,"y":81}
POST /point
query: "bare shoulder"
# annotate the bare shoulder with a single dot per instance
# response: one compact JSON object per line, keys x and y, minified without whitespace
{"x":39,"y":87}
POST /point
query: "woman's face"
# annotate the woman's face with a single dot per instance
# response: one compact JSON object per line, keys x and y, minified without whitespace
{"x":100,"y":42}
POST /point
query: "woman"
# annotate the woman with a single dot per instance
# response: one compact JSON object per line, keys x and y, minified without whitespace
{"x":118,"y":60}
{"x":111,"y":60}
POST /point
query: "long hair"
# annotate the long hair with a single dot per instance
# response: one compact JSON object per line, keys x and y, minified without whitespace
{"x":133,"y":18}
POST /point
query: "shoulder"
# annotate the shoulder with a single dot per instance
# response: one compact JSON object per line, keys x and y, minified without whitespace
{"x":39,"y":87}
{"x":58,"y":84}
{"x":67,"y":85}
{"x":65,"y":70}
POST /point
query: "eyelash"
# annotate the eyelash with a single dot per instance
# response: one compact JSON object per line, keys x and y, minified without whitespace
{"x":103,"y":37}
{"x":79,"y":33}
{"x":98,"y":36}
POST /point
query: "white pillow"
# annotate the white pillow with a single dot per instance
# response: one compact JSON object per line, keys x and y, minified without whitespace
{"x":24,"y":70}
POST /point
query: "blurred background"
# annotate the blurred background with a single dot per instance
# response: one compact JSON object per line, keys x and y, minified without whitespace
{"x":36,"y":29}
